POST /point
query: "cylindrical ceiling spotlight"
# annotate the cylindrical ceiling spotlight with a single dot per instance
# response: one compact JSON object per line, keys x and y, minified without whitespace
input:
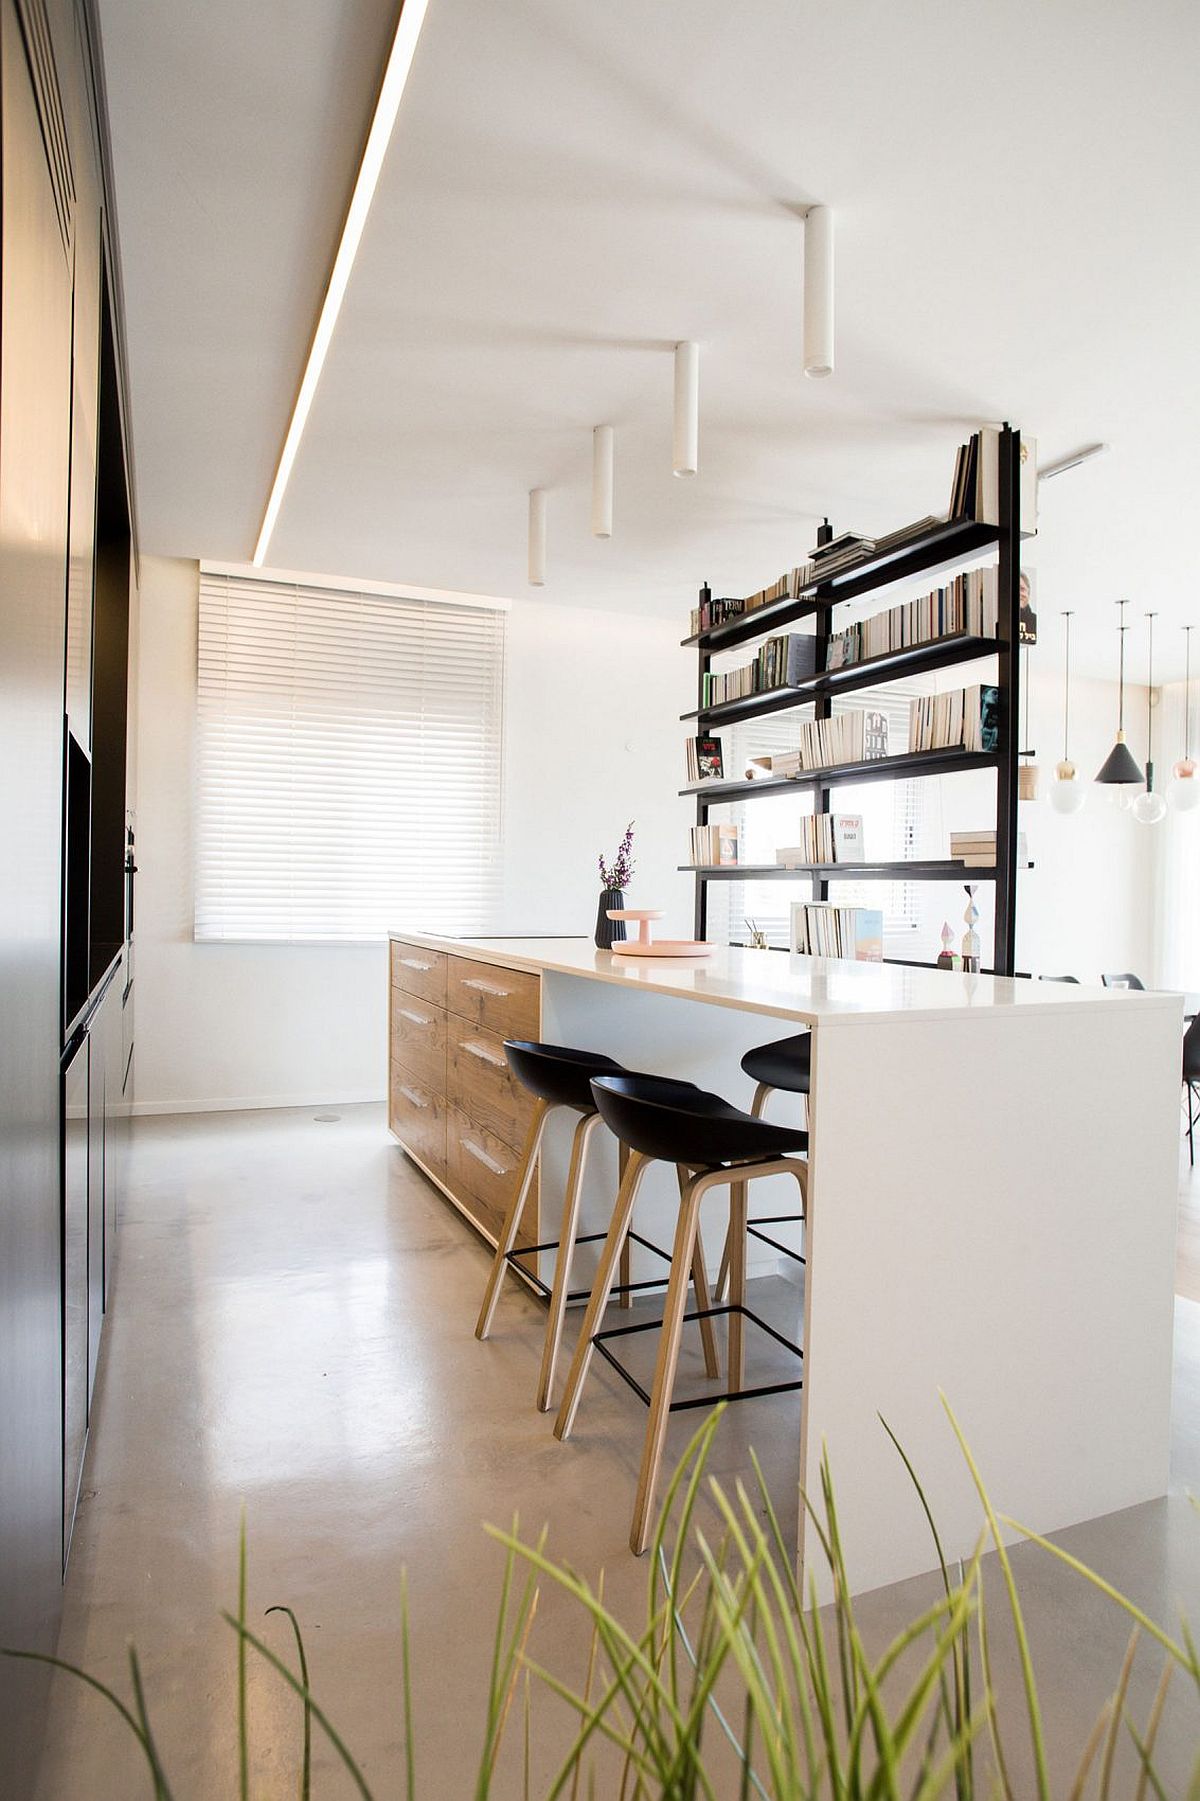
{"x":602,"y":481}
{"x":686,"y":452}
{"x":818,"y":291}
{"x":537,"y":537}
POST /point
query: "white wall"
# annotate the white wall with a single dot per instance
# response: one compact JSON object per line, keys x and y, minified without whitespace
{"x":592,"y":741}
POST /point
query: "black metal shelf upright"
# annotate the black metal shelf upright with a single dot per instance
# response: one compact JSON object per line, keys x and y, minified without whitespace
{"x":944,"y":545}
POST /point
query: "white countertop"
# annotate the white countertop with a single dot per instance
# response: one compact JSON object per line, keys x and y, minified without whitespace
{"x":811,"y":990}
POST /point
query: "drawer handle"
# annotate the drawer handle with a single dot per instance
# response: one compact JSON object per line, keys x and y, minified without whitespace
{"x":411,"y":1096}
{"x":415,"y":963}
{"x":486,"y":987}
{"x":484,"y":1054}
{"x":418,"y":1019}
{"x":481,"y":1156}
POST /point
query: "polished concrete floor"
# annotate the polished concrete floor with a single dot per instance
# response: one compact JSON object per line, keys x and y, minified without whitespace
{"x":292,"y":1336}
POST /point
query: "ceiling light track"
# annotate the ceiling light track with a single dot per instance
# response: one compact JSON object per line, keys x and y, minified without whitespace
{"x":391,"y":92}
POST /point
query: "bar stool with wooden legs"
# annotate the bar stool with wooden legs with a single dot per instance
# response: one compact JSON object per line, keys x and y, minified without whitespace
{"x":713,"y":1145}
{"x":785,"y":1065}
{"x":560,"y":1077}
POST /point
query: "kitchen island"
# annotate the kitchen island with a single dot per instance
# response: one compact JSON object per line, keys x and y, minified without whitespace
{"x":993,"y":1169}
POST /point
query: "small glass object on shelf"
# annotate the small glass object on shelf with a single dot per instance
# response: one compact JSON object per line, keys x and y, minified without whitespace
{"x":970,"y":942}
{"x":758,"y":938}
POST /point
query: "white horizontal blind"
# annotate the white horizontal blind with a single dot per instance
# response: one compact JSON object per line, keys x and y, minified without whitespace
{"x":349,"y":762}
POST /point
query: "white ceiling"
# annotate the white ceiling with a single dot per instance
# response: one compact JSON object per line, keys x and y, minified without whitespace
{"x":573,"y":187}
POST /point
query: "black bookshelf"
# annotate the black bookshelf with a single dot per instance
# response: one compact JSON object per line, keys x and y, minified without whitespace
{"x":873,"y":769}
{"x":947,"y":544}
{"x":940,"y":869}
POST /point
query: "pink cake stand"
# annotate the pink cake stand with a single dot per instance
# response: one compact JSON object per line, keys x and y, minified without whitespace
{"x":646,"y":946}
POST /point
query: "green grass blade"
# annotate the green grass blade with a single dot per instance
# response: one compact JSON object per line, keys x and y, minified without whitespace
{"x":306,"y":1765}
{"x":113,"y":1699}
{"x":161,"y":1790}
{"x":319,"y":1714}
{"x":1146,"y":1751}
{"x":1114,"y":1721}
{"x":1036,"y":1734}
{"x":243,"y":1727}
{"x":410,"y":1771}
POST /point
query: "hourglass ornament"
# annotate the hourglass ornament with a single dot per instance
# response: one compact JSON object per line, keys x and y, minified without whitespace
{"x":1068,"y":793}
{"x":1149,"y":807}
{"x":970,"y":942}
{"x":1185,"y":784}
{"x":947,"y":959}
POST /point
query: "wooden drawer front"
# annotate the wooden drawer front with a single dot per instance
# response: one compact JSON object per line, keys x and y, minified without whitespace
{"x":484,"y":1171}
{"x":419,"y":1039}
{"x":418,"y":1118}
{"x":418,"y":971}
{"x":505,"y":1001}
{"x":481,"y":1085}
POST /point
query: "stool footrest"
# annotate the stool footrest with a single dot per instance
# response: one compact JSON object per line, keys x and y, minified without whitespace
{"x":743,"y":1394}
{"x":581,"y":1294}
{"x":752,"y":1231}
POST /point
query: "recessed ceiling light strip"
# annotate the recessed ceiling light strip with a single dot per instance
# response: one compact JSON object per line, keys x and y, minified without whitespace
{"x":395,"y":76}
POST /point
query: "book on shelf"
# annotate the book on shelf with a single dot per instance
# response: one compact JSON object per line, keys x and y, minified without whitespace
{"x":861,"y":736}
{"x":714,"y":846}
{"x":711,"y":613}
{"x":821,"y":929}
{"x":975,"y":490}
{"x":968,"y":604}
{"x":782,"y":662}
{"x":705,"y":762}
{"x":977,"y":850}
{"x":966,"y":718}
{"x":839,"y":554}
{"x":825,"y":838}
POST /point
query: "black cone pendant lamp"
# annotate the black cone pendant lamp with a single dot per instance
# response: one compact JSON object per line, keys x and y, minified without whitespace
{"x":1118,"y":767}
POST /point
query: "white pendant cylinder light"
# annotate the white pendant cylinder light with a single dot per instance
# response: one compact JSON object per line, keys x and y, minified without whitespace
{"x":602,"y":481}
{"x":818,"y":291}
{"x":1185,"y":783}
{"x":1068,"y":793}
{"x":537,"y":537}
{"x":1149,"y":807}
{"x":685,"y":457}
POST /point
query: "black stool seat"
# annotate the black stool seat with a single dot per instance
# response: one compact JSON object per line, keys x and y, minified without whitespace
{"x":786,"y":1064}
{"x":676,"y":1122}
{"x":556,"y":1074}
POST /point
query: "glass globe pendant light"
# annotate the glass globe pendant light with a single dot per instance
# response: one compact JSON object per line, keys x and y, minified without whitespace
{"x":1185,"y":785}
{"x":1118,"y":770}
{"x":1149,"y":807}
{"x":1068,"y":793}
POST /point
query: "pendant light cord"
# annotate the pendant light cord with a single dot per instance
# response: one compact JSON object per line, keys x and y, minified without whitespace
{"x":1187,"y":693}
{"x":1067,"y":695}
{"x":1123,"y":628}
{"x":1150,"y":697}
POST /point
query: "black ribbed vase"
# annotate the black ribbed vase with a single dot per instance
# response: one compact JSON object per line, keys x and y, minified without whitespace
{"x":609,"y":931}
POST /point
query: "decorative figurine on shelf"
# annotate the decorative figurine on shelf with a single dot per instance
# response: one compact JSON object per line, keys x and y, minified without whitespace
{"x":970,"y":943}
{"x":948,"y":959}
{"x":614,"y":880}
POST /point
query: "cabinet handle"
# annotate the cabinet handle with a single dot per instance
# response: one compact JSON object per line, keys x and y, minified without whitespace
{"x":411,"y":1096}
{"x":418,"y":1019}
{"x":415,"y":963}
{"x":484,"y":1054}
{"x":486,"y":987}
{"x":481,"y":1156}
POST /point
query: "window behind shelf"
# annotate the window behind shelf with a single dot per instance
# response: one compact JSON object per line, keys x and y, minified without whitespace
{"x":349,"y":761}
{"x":896,"y":823}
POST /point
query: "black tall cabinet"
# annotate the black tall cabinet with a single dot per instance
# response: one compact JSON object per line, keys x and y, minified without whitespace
{"x":66,"y":567}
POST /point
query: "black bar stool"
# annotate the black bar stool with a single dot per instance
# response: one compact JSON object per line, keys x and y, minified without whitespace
{"x":560,"y":1077}
{"x":786,"y":1064}
{"x":712,"y":1145}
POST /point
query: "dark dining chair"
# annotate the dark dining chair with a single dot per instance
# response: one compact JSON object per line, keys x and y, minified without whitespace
{"x":1124,"y":979}
{"x":1191,"y":1082}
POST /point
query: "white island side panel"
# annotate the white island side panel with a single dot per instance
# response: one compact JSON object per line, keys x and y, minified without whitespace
{"x":992,"y":1215}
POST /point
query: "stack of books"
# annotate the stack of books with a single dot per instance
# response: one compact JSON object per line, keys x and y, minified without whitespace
{"x":858,"y":737}
{"x":782,"y":662}
{"x":714,"y":846}
{"x":977,"y":850}
{"x":712,"y":612}
{"x":906,"y":534}
{"x":962,"y":716}
{"x":968,"y":604}
{"x":839,"y":554}
{"x":819,"y":929}
{"x":790,"y":586}
{"x":825,"y":838}
{"x":704,"y":760}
